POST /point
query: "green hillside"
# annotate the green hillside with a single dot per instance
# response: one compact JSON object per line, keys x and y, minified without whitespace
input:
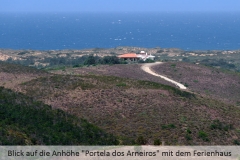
{"x":24,"y":121}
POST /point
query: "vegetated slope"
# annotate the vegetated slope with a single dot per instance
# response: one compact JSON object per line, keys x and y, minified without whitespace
{"x":132,"y":71}
{"x":213,"y":82}
{"x":24,"y":121}
{"x":18,"y":69}
{"x":140,"y":111}
{"x":12,"y":74}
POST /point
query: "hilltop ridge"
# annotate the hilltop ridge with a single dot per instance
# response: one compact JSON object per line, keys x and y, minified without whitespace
{"x":49,"y":58}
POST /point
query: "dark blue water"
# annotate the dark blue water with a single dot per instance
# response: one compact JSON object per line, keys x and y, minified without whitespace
{"x":189,"y":31}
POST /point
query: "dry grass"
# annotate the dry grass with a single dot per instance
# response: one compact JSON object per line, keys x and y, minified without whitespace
{"x":129,"y":109}
{"x":212,"y":82}
{"x":11,"y":75}
{"x":132,"y":71}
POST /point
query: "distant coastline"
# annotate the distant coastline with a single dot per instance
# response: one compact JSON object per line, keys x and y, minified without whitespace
{"x":228,"y":59}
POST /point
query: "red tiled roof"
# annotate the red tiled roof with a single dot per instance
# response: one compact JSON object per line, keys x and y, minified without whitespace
{"x":128,"y":55}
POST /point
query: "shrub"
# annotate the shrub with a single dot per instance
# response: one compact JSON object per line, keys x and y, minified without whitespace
{"x":236,"y":142}
{"x":121,"y":84}
{"x":157,"y":142}
{"x":141,"y":141}
{"x":238,"y":103}
{"x":110,"y":60}
{"x":189,"y":131}
{"x":141,"y":61}
{"x":164,"y":127}
{"x":149,"y":61}
{"x":169,"y":126}
{"x":188,"y":137}
{"x":203,"y":135}
{"x":146,"y":61}
{"x":220,"y":125}
{"x":77,"y":65}
{"x":123,"y":62}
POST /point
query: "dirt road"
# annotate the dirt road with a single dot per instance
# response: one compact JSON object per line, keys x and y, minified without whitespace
{"x":147,"y":68}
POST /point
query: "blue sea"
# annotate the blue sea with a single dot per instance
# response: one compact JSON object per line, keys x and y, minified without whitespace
{"x":188,"y":31}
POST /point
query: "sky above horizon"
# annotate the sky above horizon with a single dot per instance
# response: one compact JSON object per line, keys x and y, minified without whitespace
{"x":119,"y":6}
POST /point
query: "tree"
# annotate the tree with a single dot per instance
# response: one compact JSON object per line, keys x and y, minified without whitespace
{"x":90,"y":60}
{"x":110,"y":60}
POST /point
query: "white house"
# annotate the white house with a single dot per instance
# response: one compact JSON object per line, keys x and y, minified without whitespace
{"x":144,"y":56}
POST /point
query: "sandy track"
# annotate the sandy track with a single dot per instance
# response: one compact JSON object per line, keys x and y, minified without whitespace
{"x":146,"y":67}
